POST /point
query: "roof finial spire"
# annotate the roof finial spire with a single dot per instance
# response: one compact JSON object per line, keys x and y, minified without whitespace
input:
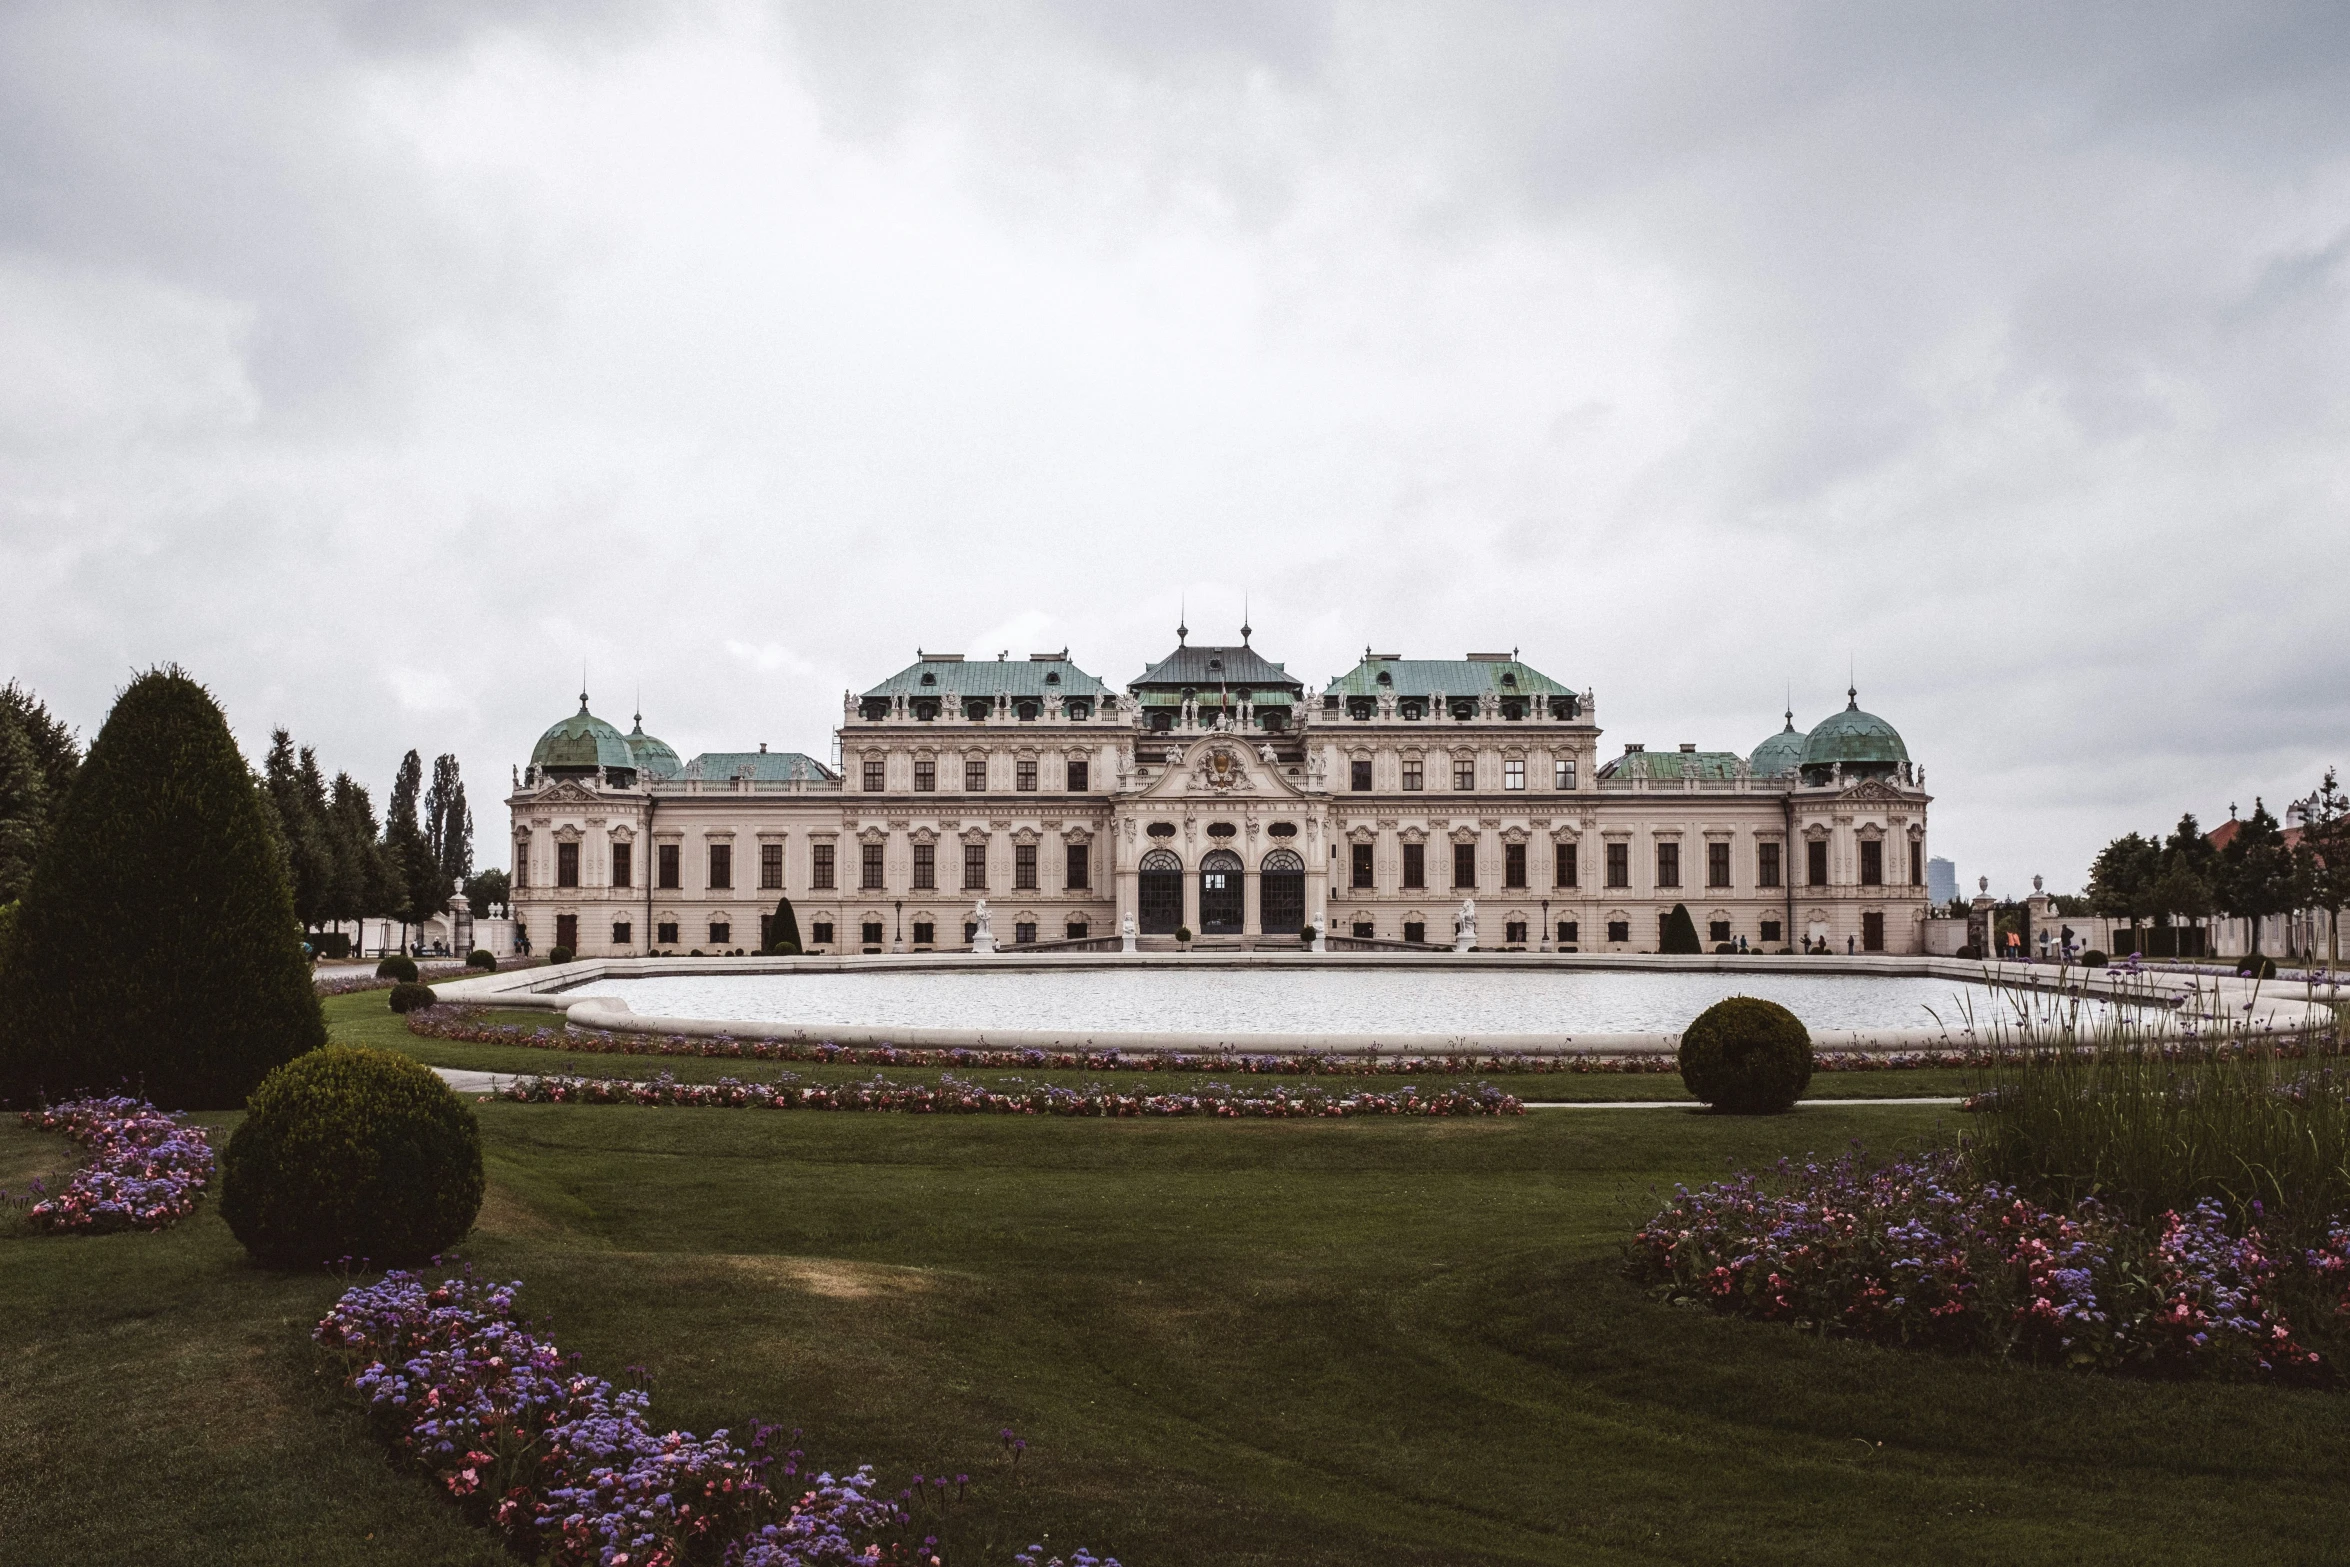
{"x":1852,"y":684}
{"x":1182,"y":615}
{"x":1790,"y":707}
{"x":640,"y":707}
{"x":583,"y":685}
{"x":1244,"y":628}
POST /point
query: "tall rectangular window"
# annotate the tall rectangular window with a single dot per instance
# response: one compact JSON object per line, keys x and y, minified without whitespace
{"x":622,"y":868}
{"x":870,"y":867}
{"x":1917,"y":864}
{"x":1464,"y":865}
{"x":1872,"y":863}
{"x":1562,"y":773}
{"x":975,"y":867}
{"x":771,"y":866}
{"x":1359,"y":774}
{"x":1816,"y":853}
{"x":1080,"y":867}
{"x":722,"y":865}
{"x":522,"y":861}
{"x":1080,"y":775}
{"x":1619,"y":866}
{"x":1411,"y":773}
{"x":1766,"y":865}
{"x":1361,"y":858}
{"x":1872,"y":932}
{"x":567,"y":865}
{"x":1513,"y":866}
{"x":1717,"y":865}
{"x":1024,"y":775}
{"x":1668,"y":865}
{"x":1415,"y":865}
{"x":820,"y":869}
{"x":1024,"y":867}
{"x":665,"y":865}
{"x":1464,"y":773}
{"x":1563,"y":873}
{"x":925,"y":867}
{"x":1513,"y":774}
{"x":974,"y":774}
{"x":925,"y":775}
{"x":873,"y":775}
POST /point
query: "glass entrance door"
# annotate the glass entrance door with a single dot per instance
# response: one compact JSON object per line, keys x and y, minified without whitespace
{"x":1220,"y":894}
{"x":1282,"y":886}
{"x":1159,"y":890}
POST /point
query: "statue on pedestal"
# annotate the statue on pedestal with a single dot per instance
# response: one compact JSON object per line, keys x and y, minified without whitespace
{"x":1126,"y":932}
{"x":983,"y":939}
{"x":1465,"y":936}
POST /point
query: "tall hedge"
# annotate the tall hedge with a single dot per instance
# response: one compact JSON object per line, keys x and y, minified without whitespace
{"x":1680,"y":934}
{"x":783,"y":932}
{"x":156,"y":947}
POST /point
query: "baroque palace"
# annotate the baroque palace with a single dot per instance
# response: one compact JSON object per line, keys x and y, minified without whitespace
{"x":1027,"y":803}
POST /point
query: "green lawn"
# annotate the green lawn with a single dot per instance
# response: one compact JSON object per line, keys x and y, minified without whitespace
{"x":1252,"y":1342}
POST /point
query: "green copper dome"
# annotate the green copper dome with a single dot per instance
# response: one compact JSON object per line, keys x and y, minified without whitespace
{"x":1866,"y":745}
{"x":1782,"y":753}
{"x":653,"y":757}
{"x":581,"y":744}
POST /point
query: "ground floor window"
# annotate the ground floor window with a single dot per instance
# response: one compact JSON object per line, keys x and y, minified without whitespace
{"x":1567,"y":933}
{"x":1363,"y":928}
{"x":1024,"y":933}
{"x":1770,"y":930}
{"x":925,"y":934}
{"x":1514,"y":933}
{"x":1619,"y":930}
{"x":1872,"y":933}
{"x":970,"y":932}
{"x":1415,"y":931}
{"x":1077,"y":929}
{"x":721,"y":933}
{"x":1719,"y":930}
{"x":821,"y":933}
{"x":567,"y":931}
{"x":666,"y":933}
{"x":872,"y":934}
{"x":622,"y":931}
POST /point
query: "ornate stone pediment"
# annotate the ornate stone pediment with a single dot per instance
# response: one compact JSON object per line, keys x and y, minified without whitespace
{"x":1872,"y":790}
{"x":1221,"y":767}
{"x":565,"y":792}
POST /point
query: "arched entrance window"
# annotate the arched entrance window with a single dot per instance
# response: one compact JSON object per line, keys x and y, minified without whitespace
{"x":1283,"y":888}
{"x":1219,"y":894}
{"x":1160,"y":890}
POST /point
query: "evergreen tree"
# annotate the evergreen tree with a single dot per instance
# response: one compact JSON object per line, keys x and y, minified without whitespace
{"x":1680,"y":933}
{"x":156,"y":947}
{"x":24,"y":806}
{"x":2325,"y":851}
{"x":360,"y":885}
{"x":448,"y":823}
{"x":52,"y":743}
{"x":298,"y":795}
{"x":783,"y":931}
{"x":2256,"y":871}
{"x":418,"y":892}
{"x":488,"y":889}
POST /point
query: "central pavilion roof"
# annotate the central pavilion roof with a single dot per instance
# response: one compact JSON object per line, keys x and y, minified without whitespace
{"x":1204,"y":669}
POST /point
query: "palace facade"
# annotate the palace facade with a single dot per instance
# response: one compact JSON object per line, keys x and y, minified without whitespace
{"x":1214,"y":793}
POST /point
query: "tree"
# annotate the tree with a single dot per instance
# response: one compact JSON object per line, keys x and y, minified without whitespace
{"x":361,"y":886}
{"x":156,"y":947}
{"x":783,"y":931}
{"x":298,"y":794}
{"x":2256,"y":876}
{"x":2122,"y":879}
{"x":52,"y":743}
{"x":448,"y":823}
{"x":418,"y":890}
{"x":24,"y":807}
{"x":1680,"y":932}
{"x":2325,"y":857}
{"x":486,"y":889}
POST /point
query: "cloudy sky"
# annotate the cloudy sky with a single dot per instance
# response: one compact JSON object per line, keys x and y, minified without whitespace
{"x":384,"y":365}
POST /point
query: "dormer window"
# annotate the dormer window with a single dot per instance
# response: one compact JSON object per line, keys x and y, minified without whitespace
{"x":1052,"y":679}
{"x":928,"y":678}
{"x":1385,"y":678}
{"x":1508,"y":679}
{"x":1215,"y":666}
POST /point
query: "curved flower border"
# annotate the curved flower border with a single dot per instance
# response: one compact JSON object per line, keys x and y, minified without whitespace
{"x":147,"y":1168}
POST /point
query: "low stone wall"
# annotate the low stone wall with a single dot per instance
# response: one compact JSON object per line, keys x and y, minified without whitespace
{"x":2190,"y":1004}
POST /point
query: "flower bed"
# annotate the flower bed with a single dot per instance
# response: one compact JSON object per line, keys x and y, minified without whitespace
{"x":147,"y":1169}
{"x":566,"y":1467}
{"x":465,"y":1025}
{"x":1920,"y":1253}
{"x":953,"y":1096}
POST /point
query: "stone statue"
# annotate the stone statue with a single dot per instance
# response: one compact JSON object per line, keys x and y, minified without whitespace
{"x":1265,"y":752}
{"x":1836,"y":775}
{"x":1466,"y":937}
{"x":1126,"y":932}
{"x":983,"y":939}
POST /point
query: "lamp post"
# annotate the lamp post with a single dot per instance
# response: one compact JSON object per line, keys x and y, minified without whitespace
{"x":897,"y":942}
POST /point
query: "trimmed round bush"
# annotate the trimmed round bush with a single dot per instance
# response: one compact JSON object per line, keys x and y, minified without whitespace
{"x":1746,"y":1056}
{"x":1183,"y":933}
{"x":2093,"y":959}
{"x":2257,"y":965}
{"x":356,"y":1153}
{"x":397,"y":967}
{"x":558,"y":955}
{"x":481,"y":958}
{"x":407,"y":997}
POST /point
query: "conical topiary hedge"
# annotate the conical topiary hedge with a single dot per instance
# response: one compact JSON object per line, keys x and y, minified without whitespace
{"x":156,"y":947}
{"x":1680,"y":933}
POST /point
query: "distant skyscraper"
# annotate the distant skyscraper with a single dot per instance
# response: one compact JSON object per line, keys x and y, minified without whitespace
{"x":1941,"y":881}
